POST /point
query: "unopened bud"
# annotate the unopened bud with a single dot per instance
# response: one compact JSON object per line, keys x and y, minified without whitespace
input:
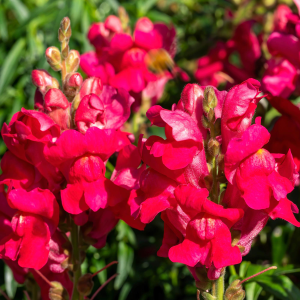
{"x":217,"y":127}
{"x":57,"y":291}
{"x":124,"y":19}
{"x":85,"y":284}
{"x":210,"y":97}
{"x":211,"y":116}
{"x":43,"y":80}
{"x":72,"y":83}
{"x":206,"y":107}
{"x":64,"y":31}
{"x":72,"y":61}
{"x":213,"y":147}
{"x":220,"y":161}
{"x":205,"y":122}
{"x":235,"y":291}
{"x":53,"y":57}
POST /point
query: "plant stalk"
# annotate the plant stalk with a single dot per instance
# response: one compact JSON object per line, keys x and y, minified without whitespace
{"x":76,"y":260}
{"x":218,"y":287}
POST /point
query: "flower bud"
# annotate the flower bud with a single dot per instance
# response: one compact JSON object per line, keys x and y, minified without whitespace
{"x":206,"y":107}
{"x":124,"y":18}
{"x":64,"y":32}
{"x":58,"y":292}
{"x":235,"y":291}
{"x":85,"y":284}
{"x":53,"y":58}
{"x":211,"y":116}
{"x":43,"y":80}
{"x":220,"y":161}
{"x":72,"y":61}
{"x":72,"y":83}
{"x":210,"y":97}
{"x":205,"y":122}
{"x":213,"y":147}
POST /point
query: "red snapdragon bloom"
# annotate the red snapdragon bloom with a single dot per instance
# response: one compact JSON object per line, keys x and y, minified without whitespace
{"x":254,"y":220}
{"x":254,"y":169}
{"x":181,"y":156}
{"x":6,"y":214}
{"x":280,"y":77}
{"x":208,"y":239}
{"x":32,"y":226}
{"x":81,"y":159}
{"x":121,"y":59}
{"x":216,"y":68}
{"x":238,"y":110}
{"x":26,"y":136}
{"x":109,"y":110}
{"x":285,"y":133}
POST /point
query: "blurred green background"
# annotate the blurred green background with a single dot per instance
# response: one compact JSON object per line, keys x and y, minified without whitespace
{"x":28,"y":27}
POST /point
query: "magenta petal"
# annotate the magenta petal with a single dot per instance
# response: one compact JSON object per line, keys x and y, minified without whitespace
{"x":37,"y":201}
{"x":183,"y":126}
{"x":153,"y":206}
{"x":254,"y":138}
{"x":188,"y":253}
{"x":281,"y":186}
{"x":153,"y":114}
{"x":34,"y":249}
{"x":284,"y":209}
{"x":72,"y":199}
{"x":103,"y":192}
{"x":257,"y":192}
{"x":179,"y":154}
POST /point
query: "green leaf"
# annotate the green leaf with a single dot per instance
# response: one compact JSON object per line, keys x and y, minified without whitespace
{"x":3,"y":25}
{"x":280,"y":239}
{"x":243,"y":268}
{"x":252,"y":290}
{"x":10,"y":283}
{"x":20,"y":10}
{"x":125,"y":291}
{"x":10,"y":64}
{"x":143,"y":6}
{"x":76,"y":11}
{"x":279,"y":286}
{"x":125,"y":259}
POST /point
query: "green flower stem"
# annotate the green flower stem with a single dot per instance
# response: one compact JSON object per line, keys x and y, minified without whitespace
{"x":76,"y":260}
{"x":218,"y":287}
{"x":232,"y":270}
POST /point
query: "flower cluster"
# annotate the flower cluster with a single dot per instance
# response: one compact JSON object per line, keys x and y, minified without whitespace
{"x":141,"y":62}
{"x":54,"y":170}
{"x":210,"y":141}
{"x":270,"y":56}
{"x":215,"y":178}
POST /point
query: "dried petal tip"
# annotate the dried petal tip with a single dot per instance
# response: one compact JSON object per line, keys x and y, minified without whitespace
{"x":235,"y":291}
{"x":58,"y":292}
{"x":53,"y":57}
{"x":85,"y":284}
